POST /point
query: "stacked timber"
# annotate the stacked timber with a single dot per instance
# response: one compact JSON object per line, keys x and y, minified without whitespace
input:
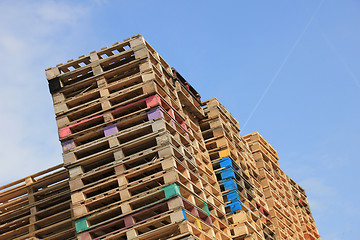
{"x":138,"y":165}
{"x":237,"y":174}
{"x":276,"y":188}
{"x":144,"y":158}
{"x":37,"y":207}
{"x":306,"y":219}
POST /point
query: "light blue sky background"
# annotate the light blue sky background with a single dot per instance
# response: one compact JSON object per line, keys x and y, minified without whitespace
{"x":300,"y":58}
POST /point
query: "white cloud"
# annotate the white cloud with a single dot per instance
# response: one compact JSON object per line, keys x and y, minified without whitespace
{"x":58,"y":12}
{"x":9,"y":43}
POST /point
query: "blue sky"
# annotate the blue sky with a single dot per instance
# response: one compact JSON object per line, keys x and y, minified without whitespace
{"x":288,"y":69}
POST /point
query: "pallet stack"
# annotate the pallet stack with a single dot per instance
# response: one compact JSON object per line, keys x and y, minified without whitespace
{"x":144,"y":158}
{"x":138,"y":165}
{"x":303,"y":210}
{"x":237,"y":174}
{"x":277,"y":189}
{"x":211,"y":187}
{"x":37,"y":207}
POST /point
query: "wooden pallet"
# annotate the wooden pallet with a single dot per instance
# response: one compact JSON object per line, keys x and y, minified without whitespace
{"x":213,"y":108}
{"x":257,"y":138}
{"x":121,"y":145}
{"x":182,"y":150}
{"x":124,"y":112}
{"x":111,"y":155}
{"x":190,"y":104}
{"x":243,"y":226}
{"x":37,"y":206}
{"x":135,"y":125}
{"x":143,"y":214}
{"x":97,"y":62}
{"x":121,"y":221}
{"x":105,"y":99}
{"x":116,"y":104}
{"x":135,"y":185}
{"x":131,"y":166}
{"x":131,"y":122}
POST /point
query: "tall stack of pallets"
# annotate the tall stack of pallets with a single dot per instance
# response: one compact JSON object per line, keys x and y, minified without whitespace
{"x":138,"y":165}
{"x":37,"y":207}
{"x":144,"y":158}
{"x":277,"y":189}
{"x":237,"y":174}
{"x":306,"y":219}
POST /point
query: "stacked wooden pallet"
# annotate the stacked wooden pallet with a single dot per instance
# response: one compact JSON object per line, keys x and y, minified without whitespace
{"x":132,"y":143}
{"x":276,"y":188}
{"x":37,"y":207}
{"x":144,"y":158}
{"x":306,"y":219}
{"x":237,"y":174}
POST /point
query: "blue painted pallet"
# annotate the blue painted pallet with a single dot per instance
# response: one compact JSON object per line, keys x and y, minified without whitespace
{"x":234,"y":199}
{"x":229,"y":184}
{"x":228,"y":175}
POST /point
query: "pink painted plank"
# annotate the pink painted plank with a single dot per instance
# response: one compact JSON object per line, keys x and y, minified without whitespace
{"x":153,"y":101}
{"x":65,"y":131}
